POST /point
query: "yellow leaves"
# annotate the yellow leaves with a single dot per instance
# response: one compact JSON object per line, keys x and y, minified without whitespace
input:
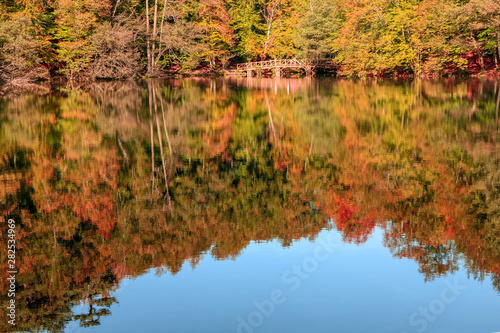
{"x":385,"y":37}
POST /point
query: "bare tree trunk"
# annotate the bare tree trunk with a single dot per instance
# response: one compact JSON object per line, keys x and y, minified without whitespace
{"x":158,"y":129}
{"x":497,"y":107}
{"x":148,"y":39}
{"x":269,"y":12}
{"x":498,"y":42}
{"x":116,"y":7}
{"x":161,"y":30}
{"x":155,"y":19}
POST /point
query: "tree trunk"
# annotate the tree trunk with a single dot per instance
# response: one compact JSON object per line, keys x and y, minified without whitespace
{"x":148,"y":37}
{"x":157,"y":59}
{"x":153,"y":47}
{"x":497,"y":108}
{"x":116,"y":7}
{"x":478,"y":51}
{"x":498,"y":42}
{"x":269,"y":12}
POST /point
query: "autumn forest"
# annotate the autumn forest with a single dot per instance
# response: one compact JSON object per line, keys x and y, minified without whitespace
{"x":116,"y":39}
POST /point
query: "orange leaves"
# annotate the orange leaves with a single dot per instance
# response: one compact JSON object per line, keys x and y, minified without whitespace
{"x":220,"y":36}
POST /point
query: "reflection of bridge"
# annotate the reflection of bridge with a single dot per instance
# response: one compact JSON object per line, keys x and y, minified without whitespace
{"x":286,"y":85}
{"x":308,"y":65}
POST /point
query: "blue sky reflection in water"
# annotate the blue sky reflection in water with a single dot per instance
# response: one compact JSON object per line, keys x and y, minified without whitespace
{"x":222,"y":187}
{"x":358,"y":288}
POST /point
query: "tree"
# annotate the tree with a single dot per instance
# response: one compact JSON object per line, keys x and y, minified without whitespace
{"x":248,"y":27}
{"x":480,"y":21}
{"x":314,"y":34}
{"x":20,"y":51}
{"x":76,"y":21}
{"x":283,"y":29}
{"x":382,"y":36}
{"x":181,"y":43}
{"x":219,"y":37}
{"x":114,"y":53}
{"x":171,"y":37}
{"x":271,"y":11}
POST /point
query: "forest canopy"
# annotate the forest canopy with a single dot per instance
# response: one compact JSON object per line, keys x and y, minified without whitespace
{"x":116,"y":39}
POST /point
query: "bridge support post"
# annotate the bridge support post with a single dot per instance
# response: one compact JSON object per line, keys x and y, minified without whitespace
{"x":249,"y":73}
{"x":258,"y":71}
{"x":277,"y":72}
{"x":309,"y":71}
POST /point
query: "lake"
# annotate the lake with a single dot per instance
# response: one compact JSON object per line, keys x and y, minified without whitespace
{"x":252,"y":205}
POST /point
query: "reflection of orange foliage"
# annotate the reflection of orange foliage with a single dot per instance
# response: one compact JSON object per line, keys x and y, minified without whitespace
{"x":75,"y":115}
{"x":216,"y":139}
{"x":89,"y":188}
{"x":9,"y":184}
{"x":420,"y":203}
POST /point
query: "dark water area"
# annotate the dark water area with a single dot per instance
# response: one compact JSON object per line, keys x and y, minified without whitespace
{"x":252,"y":205}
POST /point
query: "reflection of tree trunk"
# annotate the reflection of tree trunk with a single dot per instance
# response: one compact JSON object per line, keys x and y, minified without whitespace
{"x":310,"y":152}
{"x":158,"y":129}
{"x":165,"y":128}
{"x":473,"y":109}
{"x":311,"y":147}
{"x":54,"y":263}
{"x":124,"y":152}
{"x":271,"y":119}
{"x":152,"y":138}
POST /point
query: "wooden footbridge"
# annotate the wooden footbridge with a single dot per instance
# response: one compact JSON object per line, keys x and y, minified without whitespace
{"x":277,"y":65}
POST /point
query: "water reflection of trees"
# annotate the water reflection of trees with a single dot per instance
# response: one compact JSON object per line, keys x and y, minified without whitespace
{"x":80,"y":176}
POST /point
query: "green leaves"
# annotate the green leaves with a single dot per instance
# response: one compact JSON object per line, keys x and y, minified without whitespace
{"x":314,"y":35}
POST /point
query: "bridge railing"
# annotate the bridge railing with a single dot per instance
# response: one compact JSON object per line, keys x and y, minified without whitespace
{"x":284,"y":63}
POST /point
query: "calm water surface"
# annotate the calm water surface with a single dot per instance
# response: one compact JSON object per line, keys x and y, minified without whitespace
{"x":261,"y":205}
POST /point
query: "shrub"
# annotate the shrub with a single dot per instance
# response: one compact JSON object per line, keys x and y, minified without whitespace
{"x":20,"y":50}
{"x":115,"y":55}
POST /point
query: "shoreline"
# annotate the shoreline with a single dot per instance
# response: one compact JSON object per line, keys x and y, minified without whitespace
{"x":43,"y":87}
